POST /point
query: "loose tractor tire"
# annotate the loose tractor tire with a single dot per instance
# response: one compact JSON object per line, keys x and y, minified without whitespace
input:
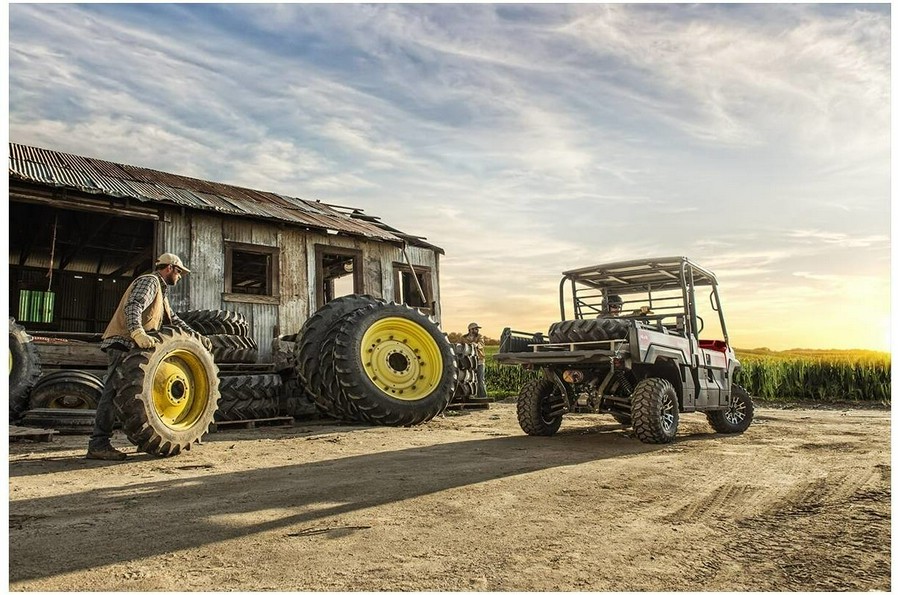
{"x":394,"y":365}
{"x":24,"y":369}
{"x":166,"y":397}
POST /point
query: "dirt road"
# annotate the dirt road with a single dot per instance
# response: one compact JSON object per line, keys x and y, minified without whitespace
{"x":466,"y":502}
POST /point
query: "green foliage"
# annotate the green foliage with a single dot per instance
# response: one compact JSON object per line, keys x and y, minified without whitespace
{"x":816,"y":375}
{"x":820,"y":375}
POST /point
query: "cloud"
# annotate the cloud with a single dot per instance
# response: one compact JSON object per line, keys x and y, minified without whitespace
{"x":842,"y":240}
{"x":523,"y":139}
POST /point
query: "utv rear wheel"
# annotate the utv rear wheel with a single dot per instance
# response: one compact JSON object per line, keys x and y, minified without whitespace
{"x":166,"y":396}
{"x":537,"y":407}
{"x":737,"y":417}
{"x":654,"y":411}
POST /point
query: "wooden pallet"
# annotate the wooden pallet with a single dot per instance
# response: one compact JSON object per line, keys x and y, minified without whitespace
{"x":243,"y":424}
{"x":33,"y":434}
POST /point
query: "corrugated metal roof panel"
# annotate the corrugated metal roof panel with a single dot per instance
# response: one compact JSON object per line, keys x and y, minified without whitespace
{"x":121,"y":180}
{"x":30,"y":170}
{"x":114,"y":187}
{"x":71,"y":178}
{"x":107,"y":168}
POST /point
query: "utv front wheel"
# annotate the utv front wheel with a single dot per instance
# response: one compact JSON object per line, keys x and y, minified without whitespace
{"x":535,"y":408}
{"x":737,"y":417}
{"x":654,"y":411}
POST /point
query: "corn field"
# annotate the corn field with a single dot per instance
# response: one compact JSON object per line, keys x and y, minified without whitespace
{"x":808,"y":375}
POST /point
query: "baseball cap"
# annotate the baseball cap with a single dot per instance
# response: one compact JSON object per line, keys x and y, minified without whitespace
{"x":169,"y":258}
{"x":473,"y":325}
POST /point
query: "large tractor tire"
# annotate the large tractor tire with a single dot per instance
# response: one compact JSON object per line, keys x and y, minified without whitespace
{"x":248,"y":396}
{"x":233,"y":349}
{"x":538,"y":407}
{"x":166,"y":396}
{"x":466,"y":359}
{"x":654,"y":411}
{"x":66,"y":389}
{"x":736,"y":419}
{"x":64,"y":421}
{"x":328,"y":394}
{"x":24,"y":369}
{"x":466,"y":385}
{"x":588,"y":329}
{"x":394,"y":365}
{"x":317,"y":327}
{"x":217,"y":322}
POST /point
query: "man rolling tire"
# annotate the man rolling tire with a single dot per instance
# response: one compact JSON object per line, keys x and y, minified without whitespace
{"x":145,"y":306}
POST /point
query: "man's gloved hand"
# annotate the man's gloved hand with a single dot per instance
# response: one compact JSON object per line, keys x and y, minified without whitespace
{"x":206,"y":343}
{"x":143,"y":340}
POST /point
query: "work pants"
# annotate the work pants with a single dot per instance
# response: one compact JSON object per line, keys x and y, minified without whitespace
{"x":105,"y":417}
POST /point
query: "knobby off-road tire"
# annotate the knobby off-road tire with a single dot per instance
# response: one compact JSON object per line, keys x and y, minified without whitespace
{"x":217,"y":322}
{"x":317,"y":327}
{"x":737,"y":417}
{"x":536,"y":407}
{"x":66,"y":389}
{"x":588,"y":329}
{"x":166,"y":397}
{"x":24,"y":368}
{"x":394,"y":365}
{"x":64,"y":421}
{"x":249,"y":396}
{"x":233,"y":349}
{"x":654,"y":411}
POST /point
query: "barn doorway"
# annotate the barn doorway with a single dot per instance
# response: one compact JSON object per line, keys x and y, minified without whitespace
{"x":68,"y":268}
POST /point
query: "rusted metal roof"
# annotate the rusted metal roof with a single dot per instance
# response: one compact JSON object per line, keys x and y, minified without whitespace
{"x":96,"y":176}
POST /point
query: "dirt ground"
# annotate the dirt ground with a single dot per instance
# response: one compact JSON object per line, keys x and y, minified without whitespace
{"x":466,"y":502}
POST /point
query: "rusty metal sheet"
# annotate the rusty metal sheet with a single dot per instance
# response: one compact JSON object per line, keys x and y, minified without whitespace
{"x":122,"y":180}
{"x":114,"y":187}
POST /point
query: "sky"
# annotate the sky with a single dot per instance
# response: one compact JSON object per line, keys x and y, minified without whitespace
{"x":523,"y":139}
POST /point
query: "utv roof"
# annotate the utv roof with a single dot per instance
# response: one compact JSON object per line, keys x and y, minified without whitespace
{"x":641,"y":275}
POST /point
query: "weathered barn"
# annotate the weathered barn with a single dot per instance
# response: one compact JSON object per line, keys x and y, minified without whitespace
{"x":82,"y":228}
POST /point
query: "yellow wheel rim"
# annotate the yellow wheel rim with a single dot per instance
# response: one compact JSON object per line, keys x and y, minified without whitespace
{"x":401,"y":358}
{"x":180,"y":390}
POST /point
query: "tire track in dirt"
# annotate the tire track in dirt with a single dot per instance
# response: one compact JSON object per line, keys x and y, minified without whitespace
{"x":779,"y":546}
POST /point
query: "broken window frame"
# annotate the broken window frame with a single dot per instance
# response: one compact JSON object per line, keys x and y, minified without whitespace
{"x":355,"y":256}
{"x":272,"y":291}
{"x":424,"y":274}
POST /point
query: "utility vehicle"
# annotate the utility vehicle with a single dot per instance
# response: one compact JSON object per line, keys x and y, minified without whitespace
{"x":644,"y":365}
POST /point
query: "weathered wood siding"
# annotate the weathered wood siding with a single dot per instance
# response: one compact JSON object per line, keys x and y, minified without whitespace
{"x":200,"y":239}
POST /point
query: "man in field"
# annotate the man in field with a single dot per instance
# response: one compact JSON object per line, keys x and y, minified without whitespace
{"x":145,"y":306}
{"x":474,"y":337}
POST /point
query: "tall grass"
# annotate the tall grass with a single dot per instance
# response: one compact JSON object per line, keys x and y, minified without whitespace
{"x":785,"y":375}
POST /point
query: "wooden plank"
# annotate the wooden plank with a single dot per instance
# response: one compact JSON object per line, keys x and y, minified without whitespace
{"x":82,"y":355}
{"x":35,"y":434}
{"x":244,"y":424}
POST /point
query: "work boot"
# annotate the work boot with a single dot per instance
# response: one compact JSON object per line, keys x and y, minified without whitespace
{"x":105,"y":453}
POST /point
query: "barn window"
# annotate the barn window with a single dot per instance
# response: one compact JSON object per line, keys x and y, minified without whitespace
{"x":410,"y":284}
{"x":251,"y":270}
{"x":338,"y":273}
